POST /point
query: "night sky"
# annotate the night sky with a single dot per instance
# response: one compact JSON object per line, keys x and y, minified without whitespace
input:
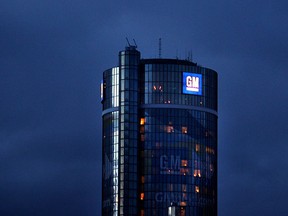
{"x":53,"y":53}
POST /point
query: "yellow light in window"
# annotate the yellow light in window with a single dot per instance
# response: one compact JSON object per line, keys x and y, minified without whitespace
{"x":169,"y":129}
{"x":142,"y":121}
{"x":197,"y":189}
{"x":184,"y":163}
{"x":197,"y":147}
{"x":184,"y":130}
{"x":142,"y":196}
{"x":197,"y":172}
{"x":183,"y":203}
{"x":210,"y":150}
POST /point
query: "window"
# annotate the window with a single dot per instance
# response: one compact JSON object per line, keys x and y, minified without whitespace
{"x":197,"y":190}
{"x":142,"y":121}
{"x":183,"y":203}
{"x":184,"y":171}
{"x":169,"y":129}
{"x":184,"y":187}
{"x":197,"y":147}
{"x":210,"y":150}
{"x":211,"y":168}
{"x":197,"y":173}
{"x":184,"y":130}
{"x":141,"y":129}
{"x":142,"y":196}
{"x":184,"y":163}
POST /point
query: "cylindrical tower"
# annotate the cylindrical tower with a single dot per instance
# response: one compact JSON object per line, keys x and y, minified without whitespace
{"x":178,"y":138}
{"x":159,"y":137}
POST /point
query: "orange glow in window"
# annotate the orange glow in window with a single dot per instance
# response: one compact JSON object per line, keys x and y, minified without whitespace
{"x":183,"y":203}
{"x":184,"y":130}
{"x":197,"y":189}
{"x":197,"y":172}
{"x":142,"y":121}
{"x":184,"y":163}
{"x":210,"y":150}
{"x":142,"y":196}
{"x":169,"y":129}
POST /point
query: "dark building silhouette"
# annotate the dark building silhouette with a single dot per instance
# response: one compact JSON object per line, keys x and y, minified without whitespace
{"x":159,"y":137}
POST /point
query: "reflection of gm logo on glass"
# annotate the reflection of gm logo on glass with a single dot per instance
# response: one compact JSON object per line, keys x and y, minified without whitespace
{"x":192,"y":83}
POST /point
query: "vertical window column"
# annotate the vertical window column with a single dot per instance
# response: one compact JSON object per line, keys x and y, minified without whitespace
{"x":129,"y":129}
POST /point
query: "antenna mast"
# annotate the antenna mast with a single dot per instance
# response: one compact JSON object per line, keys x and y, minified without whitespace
{"x":128,"y":41}
{"x":160,"y":47}
{"x":135,"y":43}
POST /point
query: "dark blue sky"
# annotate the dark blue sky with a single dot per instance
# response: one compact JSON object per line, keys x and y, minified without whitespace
{"x":53,"y":53}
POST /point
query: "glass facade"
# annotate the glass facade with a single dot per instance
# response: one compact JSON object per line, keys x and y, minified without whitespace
{"x":159,"y":140}
{"x":110,"y":142}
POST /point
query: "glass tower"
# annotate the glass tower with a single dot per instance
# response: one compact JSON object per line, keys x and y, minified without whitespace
{"x":159,"y":137}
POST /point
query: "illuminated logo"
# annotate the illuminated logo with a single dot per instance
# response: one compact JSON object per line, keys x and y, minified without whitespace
{"x":192,"y":83}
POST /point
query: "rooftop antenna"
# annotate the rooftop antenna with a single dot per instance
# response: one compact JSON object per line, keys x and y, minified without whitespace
{"x":191,"y":55}
{"x":128,"y":41}
{"x":135,"y":43}
{"x":160,"y":47}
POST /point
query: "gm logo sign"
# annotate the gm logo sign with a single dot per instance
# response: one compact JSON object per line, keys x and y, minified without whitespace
{"x":192,"y":83}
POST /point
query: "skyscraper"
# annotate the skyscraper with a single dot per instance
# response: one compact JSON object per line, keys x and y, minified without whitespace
{"x":159,"y":146}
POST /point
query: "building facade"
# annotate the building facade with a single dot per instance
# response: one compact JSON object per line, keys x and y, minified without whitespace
{"x":159,"y":145}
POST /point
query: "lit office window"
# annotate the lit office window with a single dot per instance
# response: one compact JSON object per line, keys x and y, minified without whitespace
{"x":142,"y":121}
{"x":184,"y":163}
{"x":197,"y":147}
{"x":169,"y":129}
{"x":197,"y":173}
{"x":142,"y":196}
{"x":210,"y":150}
{"x":184,"y":130}
{"x":197,"y":190}
{"x":183,"y":203}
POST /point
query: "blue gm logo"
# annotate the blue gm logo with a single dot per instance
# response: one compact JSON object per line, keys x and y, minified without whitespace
{"x":192,"y":83}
